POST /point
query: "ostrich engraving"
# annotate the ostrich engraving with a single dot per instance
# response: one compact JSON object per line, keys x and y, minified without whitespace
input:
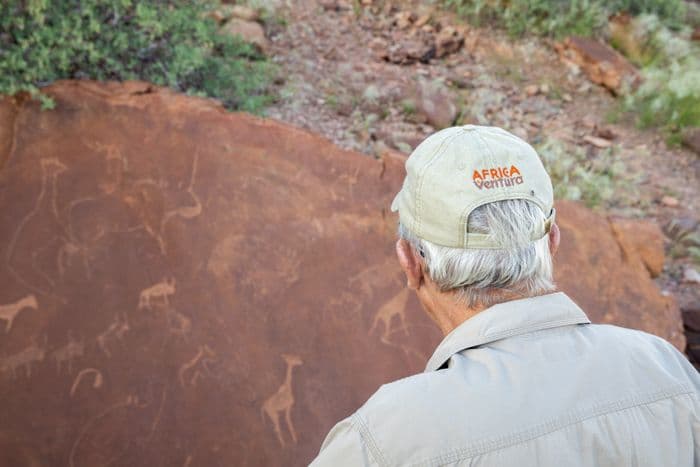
{"x":283,"y":401}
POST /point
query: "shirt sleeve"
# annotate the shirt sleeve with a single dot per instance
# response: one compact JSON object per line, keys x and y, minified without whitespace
{"x":344,"y":446}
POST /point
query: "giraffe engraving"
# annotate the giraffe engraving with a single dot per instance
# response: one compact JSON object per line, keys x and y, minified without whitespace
{"x":160,"y":292}
{"x":396,"y":306}
{"x":9,"y":312}
{"x":283,"y":401}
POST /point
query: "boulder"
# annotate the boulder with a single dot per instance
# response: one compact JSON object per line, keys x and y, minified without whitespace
{"x":181,"y":285}
{"x":602,"y":64}
{"x":642,"y":241}
{"x":612,"y":286}
{"x":436,"y":103}
{"x":249,"y":31}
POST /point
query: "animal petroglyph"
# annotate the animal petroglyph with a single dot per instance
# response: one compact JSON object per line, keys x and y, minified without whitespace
{"x":283,"y":401}
{"x":129,"y":401}
{"x":377,"y":276}
{"x":9,"y":312}
{"x":114,"y":332}
{"x":51,"y":168}
{"x":23,"y":358}
{"x":112,"y":155}
{"x":68,"y":353}
{"x":96,"y":383}
{"x":190,"y":371}
{"x":160,"y":292}
{"x":186,"y":212}
{"x":396,"y":306}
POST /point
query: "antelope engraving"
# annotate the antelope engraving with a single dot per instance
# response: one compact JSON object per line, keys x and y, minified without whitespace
{"x":23,"y":358}
{"x":9,"y":312}
{"x":396,"y":306}
{"x":97,"y":382}
{"x":283,"y":401}
{"x":115,"y":331}
{"x":204,"y":356}
{"x":160,"y":291}
{"x":68,"y":353}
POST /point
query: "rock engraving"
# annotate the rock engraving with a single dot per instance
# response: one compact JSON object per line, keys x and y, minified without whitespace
{"x":96,"y":383}
{"x":283,"y":401}
{"x":160,"y":292}
{"x":395,"y":307}
{"x":23,"y":358}
{"x":9,"y":312}
{"x":114,"y":332}
{"x":190,"y":371}
{"x":72,"y":350}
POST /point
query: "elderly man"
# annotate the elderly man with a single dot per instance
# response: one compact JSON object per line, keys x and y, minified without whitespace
{"x":522,"y":378}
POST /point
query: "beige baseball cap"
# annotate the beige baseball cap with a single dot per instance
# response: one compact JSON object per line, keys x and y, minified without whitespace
{"x":458,"y":169}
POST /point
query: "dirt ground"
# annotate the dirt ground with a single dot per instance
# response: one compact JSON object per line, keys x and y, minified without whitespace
{"x":336,"y":83}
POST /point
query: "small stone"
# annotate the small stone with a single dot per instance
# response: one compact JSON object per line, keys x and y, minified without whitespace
{"x":670,"y":201}
{"x":532,"y":89}
{"x":606,"y":132}
{"x":588,"y":121}
{"x":691,"y":139}
{"x":679,"y":227}
{"x":437,"y":104}
{"x":544,"y":88}
{"x":221,"y":14}
{"x":245,"y":13}
{"x":597,"y":142}
{"x":404,"y":19}
{"x":449,"y":40}
{"x":691,"y":275}
{"x":422,"y":21}
{"x":567,"y":97}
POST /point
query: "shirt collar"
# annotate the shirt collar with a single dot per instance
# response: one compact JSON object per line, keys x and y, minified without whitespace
{"x":506,"y":320}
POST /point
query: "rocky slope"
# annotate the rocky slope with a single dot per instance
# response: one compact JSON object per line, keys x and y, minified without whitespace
{"x":184,"y":286}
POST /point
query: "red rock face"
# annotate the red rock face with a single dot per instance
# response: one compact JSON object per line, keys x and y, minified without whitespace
{"x":185,"y":286}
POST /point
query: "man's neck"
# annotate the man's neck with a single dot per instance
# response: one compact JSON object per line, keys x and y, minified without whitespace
{"x":448,"y":311}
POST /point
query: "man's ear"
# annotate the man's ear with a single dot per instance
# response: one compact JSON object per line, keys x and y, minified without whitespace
{"x":554,"y":239}
{"x":410,"y":263}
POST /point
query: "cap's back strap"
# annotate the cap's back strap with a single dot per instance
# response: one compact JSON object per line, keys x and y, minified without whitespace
{"x":484,"y":241}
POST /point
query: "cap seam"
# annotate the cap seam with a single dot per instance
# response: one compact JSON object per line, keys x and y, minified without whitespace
{"x":417,"y":219}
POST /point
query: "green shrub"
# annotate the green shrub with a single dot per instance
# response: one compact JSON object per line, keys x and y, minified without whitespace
{"x":577,"y":177}
{"x":170,"y":43}
{"x":560,"y":17}
{"x":669,"y":96}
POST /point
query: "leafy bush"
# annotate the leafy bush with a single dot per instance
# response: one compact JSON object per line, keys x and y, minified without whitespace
{"x":167,"y":42}
{"x":669,"y":96}
{"x":558,"y":17}
{"x":577,"y":177}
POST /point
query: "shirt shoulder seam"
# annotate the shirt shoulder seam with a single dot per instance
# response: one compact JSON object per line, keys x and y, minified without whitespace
{"x":368,"y":439}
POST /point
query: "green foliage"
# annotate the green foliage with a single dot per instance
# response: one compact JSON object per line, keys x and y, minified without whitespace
{"x":167,"y":42}
{"x":575,"y":176}
{"x":560,"y":17}
{"x":669,"y":96}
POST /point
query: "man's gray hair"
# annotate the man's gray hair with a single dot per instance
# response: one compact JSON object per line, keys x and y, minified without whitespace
{"x":483,"y":276}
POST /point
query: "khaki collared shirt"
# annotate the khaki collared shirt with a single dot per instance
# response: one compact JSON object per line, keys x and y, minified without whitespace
{"x":531,"y":383}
